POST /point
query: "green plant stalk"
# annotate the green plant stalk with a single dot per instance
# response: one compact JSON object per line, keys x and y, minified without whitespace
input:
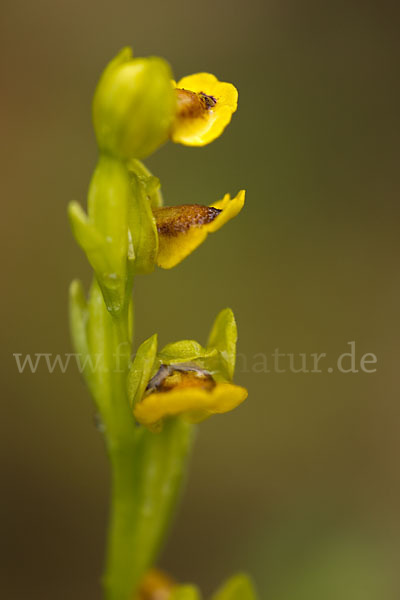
{"x":146,"y":469}
{"x":120,"y":578}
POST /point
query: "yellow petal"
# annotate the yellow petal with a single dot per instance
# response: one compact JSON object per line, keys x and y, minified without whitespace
{"x":194,"y":405}
{"x":229,"y":207}
{"x":172,"y":251}
{"x":198,"y":82}
{"x":203,"y":129}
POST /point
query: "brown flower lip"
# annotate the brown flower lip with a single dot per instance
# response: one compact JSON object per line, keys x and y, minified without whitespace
{"x":179,"y":376}
{"x":173,"y":220}
{"x":192,"y":105}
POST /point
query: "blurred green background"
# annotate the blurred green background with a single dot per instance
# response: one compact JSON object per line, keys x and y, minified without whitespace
{"x":301,"y":485}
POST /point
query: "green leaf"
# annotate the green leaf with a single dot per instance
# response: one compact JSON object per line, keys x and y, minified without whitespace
{"x":223,"y":338}
{"x":185,"y":592}
{"x":142,"y":229}
{"x":141,"y":369}
{"x":184,"y":351}
{"x":238,"y":587}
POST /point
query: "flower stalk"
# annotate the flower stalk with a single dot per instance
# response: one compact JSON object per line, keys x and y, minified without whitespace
{"x":147,"y":406}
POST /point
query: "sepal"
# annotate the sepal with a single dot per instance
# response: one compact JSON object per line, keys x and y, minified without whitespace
{"x":185,"y":351}
{"x":222,"y":339}
{"x":142,"y":231}
{"x":152,"y":184}
{"x":141,"y":369}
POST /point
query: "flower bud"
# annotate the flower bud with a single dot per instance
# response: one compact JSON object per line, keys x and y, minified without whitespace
{"x":133,"y":106}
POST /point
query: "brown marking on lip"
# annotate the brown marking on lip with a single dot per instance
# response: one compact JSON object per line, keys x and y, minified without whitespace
{"x":192,"y":105}
{"x":173,"y":377}
{"x":173,"y":220}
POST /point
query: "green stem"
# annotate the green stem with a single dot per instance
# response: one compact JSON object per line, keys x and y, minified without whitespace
{"x":120,"y":578}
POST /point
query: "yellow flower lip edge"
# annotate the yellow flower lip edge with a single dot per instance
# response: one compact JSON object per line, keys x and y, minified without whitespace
{"x":173,"y":248}
{"x":205,"y":127}
{"x":194,"y":405}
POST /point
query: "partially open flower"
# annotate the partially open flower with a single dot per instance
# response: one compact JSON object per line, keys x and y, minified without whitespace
{"x":181,"y":229}
{"x":185,"y":379}
{"x":205,"y":107}
{"x":188,"y":390}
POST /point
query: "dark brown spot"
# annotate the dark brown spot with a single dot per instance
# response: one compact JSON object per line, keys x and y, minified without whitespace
{"x":173,"y":220}
{"x":180,"y":376}
{"x":209,"y":101}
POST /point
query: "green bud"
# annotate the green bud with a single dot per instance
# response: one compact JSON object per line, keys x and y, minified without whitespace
{"x":133,"y":106}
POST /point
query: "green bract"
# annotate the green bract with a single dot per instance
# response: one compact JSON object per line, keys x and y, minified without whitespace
{"x":119,"y":234}
{"x":133,"y":106}
{"x":103,"y":233}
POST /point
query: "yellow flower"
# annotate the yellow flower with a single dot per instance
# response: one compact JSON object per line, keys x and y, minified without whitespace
{"x":205,"y":107}
{"x":187,"y":390}
{"x":181,"y":229}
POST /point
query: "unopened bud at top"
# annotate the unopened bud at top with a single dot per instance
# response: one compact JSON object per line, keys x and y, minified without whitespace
{"x":134,"y":106}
